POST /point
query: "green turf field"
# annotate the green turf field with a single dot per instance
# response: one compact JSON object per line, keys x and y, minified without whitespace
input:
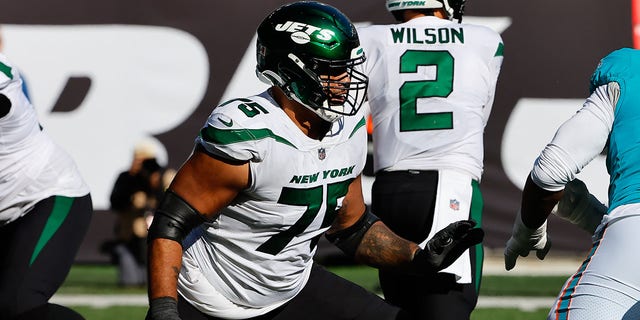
{"x":101,"y":280}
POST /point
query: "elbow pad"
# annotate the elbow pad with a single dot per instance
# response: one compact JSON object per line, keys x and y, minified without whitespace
{"x":174,"y":219}
{"x":349,"y":239}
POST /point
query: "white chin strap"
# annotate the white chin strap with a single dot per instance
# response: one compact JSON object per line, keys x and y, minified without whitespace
{"x":329,"y":115}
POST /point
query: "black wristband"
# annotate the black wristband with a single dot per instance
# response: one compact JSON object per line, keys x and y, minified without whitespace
{"x":163,"y":308}
{"x":349,"y":239}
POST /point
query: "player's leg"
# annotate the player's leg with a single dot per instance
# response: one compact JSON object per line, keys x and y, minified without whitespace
{"x":607,"y":284}
{"x":431,"y":296}
{"x":328,"y":296}
{"x":405,"y":201}
{"x":41,"y":247}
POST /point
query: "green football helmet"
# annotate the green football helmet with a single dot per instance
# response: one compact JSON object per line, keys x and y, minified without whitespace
{"x":300,"y":46}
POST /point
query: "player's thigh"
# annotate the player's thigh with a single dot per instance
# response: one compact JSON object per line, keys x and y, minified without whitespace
{"x":43,"y":247}
{"x":431,"y":296}
{"x":327,"y":296}
{"x":607,"y":284}
{"x":405,"y":201}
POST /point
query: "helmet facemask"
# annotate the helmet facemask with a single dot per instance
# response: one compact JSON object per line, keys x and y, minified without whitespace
{"x":329,"y":88}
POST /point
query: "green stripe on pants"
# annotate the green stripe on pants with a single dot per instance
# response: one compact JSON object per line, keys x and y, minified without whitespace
{"x":61,"y":207}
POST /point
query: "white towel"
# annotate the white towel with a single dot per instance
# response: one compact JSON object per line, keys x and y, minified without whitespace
{"x":453,"y":203}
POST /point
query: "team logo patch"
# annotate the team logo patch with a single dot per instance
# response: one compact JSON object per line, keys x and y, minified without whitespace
{"x":454,"y":204}
{"x":322,"y":153}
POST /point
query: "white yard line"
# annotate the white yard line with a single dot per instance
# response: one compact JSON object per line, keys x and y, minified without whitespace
{"x":100,"y":300}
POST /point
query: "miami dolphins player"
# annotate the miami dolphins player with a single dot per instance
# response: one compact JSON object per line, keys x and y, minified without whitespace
{"x":432,"y":82}
{"x":235,"y":235}
{"x":45,"y":208}
{"x":607,"y":284}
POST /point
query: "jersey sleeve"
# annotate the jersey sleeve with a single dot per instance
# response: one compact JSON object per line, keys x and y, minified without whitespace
{"x":8,"y":73}
{"x":496,"y":56}
{"x":578,"y":141}
{"x":609,"y":70}
{"x":225,"y":135}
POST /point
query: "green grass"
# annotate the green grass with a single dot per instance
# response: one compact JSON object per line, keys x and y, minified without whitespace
{"x":112,"y":313}
{"x":538,"y":286}
{"x":100,"y":279}
{"x":508,"y":314}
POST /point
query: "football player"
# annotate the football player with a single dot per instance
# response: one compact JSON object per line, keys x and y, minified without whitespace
{"x":607,"y":284}
{"x":235,"y":235}
{"x":45,"y":208}
{"x":432,"y":81}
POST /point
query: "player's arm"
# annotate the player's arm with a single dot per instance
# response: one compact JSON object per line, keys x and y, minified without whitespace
{"x":201,"y":188}
{"x":578,"y":141}
{"x":360,"y":234}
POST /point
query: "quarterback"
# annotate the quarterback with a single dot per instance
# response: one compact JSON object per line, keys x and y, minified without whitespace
{"x":235,"y":235}
{"x":432,"y":81}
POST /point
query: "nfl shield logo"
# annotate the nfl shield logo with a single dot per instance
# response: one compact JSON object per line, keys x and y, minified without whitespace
{"x":322,"y":154}
{"x":454,"y":204}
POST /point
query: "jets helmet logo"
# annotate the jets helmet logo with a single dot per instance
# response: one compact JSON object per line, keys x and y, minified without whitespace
{"x":301,"y":33}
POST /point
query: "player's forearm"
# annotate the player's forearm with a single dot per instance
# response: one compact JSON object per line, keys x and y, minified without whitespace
{"x":382,"y":248}
{"x":537,"y":204}
{"x":165,"y":260}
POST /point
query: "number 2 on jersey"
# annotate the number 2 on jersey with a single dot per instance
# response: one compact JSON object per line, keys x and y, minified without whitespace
{"x":411,"y":91}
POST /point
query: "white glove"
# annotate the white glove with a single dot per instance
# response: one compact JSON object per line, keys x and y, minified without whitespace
{"x":524,"y":239}
{"x":580,"y":207}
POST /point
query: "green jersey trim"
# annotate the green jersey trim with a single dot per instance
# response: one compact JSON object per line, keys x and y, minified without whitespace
{"x":221,"y":136}
{"x":500,"y":50}
{"x":6,"y":70}
{"x":359,"y":125}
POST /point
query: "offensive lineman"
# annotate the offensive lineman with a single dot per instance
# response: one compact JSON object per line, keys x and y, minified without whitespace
{"x":431,"y":89}
{"x":607,"y":284}
{"x":45,"y":208}
{"x":272,"y":173}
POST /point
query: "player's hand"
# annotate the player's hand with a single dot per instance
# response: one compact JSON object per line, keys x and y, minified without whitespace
{"x":447,"y":245}
{"x":164,"y":308}
{"x":580,"y":207}
{"x":523,"y":240}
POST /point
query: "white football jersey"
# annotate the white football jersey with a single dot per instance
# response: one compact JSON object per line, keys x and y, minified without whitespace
{"x":431,"y":88}
{"x":32,"y":166}
{"x":258,"y":252}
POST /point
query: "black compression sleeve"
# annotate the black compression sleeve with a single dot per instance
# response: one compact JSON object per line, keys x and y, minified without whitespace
{"x":174,"y":219}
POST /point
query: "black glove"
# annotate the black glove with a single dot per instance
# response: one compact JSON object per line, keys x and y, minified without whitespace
{"x":165,"y":308}
{"x":446,"y":246}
